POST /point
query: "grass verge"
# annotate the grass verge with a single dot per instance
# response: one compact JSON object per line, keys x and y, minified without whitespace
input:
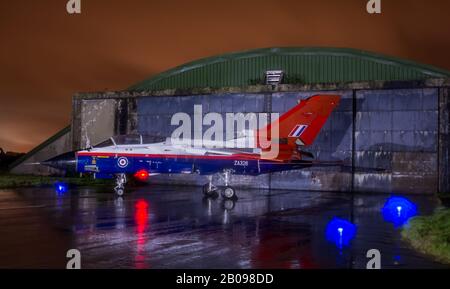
{"x":16,"y":181}
{"x":430,"y":234}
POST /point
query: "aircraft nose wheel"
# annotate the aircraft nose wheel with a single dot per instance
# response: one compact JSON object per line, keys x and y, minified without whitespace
{"x":229,"y":193}
{"x":121,"y":180}
{"x":119,"y":191}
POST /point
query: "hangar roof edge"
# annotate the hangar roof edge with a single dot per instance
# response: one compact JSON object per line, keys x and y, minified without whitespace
{"x":365,"y":85}
{"x":301,"y":64}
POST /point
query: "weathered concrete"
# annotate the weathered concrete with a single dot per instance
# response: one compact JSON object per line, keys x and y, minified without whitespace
{"x":59,"y":145}
{"x":444,"y":140}
{"x":98,"y":119}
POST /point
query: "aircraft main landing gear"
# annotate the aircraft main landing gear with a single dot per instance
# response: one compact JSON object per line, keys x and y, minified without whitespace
{"x":121,"y":180}
{"x":209,"y":189}
{"x":227,"y":192}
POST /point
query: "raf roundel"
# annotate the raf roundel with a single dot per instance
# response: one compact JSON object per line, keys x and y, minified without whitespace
{"x":122,"y":162}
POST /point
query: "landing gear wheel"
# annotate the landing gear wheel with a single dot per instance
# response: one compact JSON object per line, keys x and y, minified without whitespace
{"x":121,"y":180}
{"x":119,"y":191}
{"x":229,"y":193}
{"x":209,"y":190}
{"x":229,"y":204}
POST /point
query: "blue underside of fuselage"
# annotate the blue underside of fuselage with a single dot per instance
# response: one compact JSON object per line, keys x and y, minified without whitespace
{"x":182,"y":165}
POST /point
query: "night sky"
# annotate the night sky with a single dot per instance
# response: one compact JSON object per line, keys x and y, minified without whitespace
{"x":46,"y":55}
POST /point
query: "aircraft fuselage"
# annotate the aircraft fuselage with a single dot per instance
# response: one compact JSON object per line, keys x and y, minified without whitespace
{"x":113,"y":163}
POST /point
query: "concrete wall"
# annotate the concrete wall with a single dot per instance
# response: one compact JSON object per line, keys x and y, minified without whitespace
{"x":98,"y":120}
{"x":444,"y":141}
{"x":58,"y":146}
{"x":395,"y":126}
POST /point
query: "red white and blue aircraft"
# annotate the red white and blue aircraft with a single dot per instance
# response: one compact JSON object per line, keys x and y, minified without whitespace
{"x":298,"y":128}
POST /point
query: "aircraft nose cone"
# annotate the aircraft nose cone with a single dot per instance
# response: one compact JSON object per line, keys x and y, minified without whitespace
{"x":66,"y":161}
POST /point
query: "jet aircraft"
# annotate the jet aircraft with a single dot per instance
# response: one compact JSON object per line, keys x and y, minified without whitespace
{"x":123,"y":156}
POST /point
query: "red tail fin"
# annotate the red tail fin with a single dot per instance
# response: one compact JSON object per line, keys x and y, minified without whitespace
{"x":301,"y":124}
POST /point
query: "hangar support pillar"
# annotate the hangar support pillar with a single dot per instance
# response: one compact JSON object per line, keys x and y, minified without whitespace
{"x":444,"y":141}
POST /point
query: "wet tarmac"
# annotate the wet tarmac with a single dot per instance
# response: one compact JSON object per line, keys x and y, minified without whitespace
{"x":175,"y":227}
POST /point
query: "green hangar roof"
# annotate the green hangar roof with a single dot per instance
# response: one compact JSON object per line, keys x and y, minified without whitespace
{"x":300,"y":65}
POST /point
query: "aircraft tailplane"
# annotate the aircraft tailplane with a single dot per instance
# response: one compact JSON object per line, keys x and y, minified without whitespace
{"x":300,"y":125}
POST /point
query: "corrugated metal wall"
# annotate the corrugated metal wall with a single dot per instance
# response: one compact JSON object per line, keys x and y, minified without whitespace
{"x":391,"y":129}
{"x":397,"y":130}
{"x":301,"y":65}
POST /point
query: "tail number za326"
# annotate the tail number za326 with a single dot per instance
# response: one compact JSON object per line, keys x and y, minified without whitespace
{"x":241,"y":163}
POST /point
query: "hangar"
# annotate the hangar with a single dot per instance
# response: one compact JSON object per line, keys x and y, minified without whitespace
{"x":394,"y":115}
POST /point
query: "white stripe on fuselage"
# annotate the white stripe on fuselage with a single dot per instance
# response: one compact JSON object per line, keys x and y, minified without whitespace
{"x":171,"y":147}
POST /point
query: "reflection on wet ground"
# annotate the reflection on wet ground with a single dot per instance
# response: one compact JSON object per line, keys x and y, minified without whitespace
{"x":165,"y":227}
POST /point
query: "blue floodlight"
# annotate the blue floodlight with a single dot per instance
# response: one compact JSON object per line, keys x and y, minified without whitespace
{"x":398,"y":210}
{"x":340,"y":232}
{"x":61,"y":188}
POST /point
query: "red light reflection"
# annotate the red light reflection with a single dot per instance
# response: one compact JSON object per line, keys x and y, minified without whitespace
{"x":141,"y":220}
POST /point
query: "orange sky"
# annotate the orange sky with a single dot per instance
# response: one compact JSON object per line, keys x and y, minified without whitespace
{"x":46,"y":54}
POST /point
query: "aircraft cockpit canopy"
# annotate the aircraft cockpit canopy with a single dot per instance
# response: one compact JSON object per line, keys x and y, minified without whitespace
{"x":130,"y":139}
